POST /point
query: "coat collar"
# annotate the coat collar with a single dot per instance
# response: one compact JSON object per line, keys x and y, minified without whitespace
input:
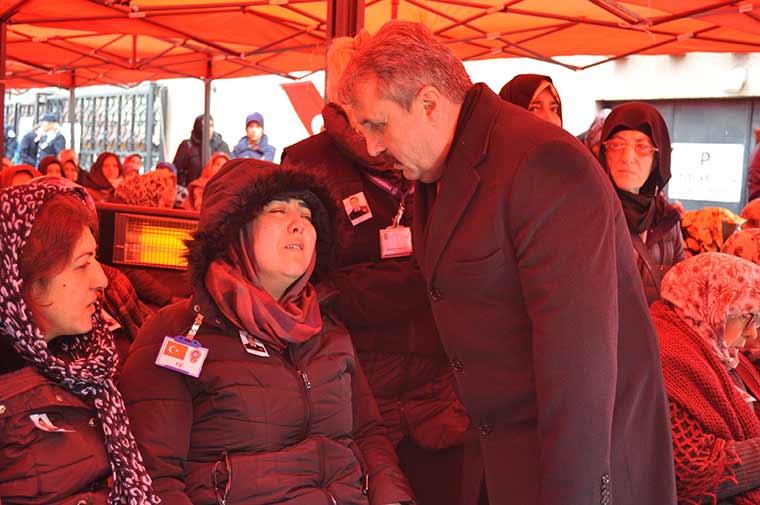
{"x":460,"y":178}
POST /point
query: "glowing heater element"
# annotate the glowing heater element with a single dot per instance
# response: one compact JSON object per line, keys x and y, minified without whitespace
{"x":153,"y":241}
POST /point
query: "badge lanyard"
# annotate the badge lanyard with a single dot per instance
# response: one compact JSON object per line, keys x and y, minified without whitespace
{"x":395,"y":240}
{"x":394,"y":192}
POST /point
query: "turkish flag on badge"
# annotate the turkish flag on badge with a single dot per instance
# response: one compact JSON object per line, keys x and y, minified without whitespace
{"x":182,"y":355}
{"x":175,"y":350}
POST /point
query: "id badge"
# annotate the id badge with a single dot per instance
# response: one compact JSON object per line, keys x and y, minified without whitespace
{"x":43,"y":422}
{"x":395,"y":242}
{"x":253,"y":345}
{"x":182,"y":355}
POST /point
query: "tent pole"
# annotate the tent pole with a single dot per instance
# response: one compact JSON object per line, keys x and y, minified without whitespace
{"x":73,"y":108}
{"x":205,"y":146}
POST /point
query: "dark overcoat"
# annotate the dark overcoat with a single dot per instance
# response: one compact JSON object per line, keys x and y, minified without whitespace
{"x":531,"y":276}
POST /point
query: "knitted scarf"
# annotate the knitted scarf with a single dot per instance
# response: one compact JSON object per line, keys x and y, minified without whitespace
{"x":93,"y":362}
{"x":697,"y":381}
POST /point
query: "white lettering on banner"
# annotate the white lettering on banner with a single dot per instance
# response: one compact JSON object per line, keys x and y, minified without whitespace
{"x":706,"y":172}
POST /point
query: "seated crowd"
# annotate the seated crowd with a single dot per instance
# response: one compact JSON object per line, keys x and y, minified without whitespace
{"x":306,"y":366}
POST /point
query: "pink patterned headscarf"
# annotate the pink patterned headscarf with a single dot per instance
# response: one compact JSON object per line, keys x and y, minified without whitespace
{"x":705,"y":290}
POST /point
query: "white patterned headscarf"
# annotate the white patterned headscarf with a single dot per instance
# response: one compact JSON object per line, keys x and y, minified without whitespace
{"x":706,"y":289}
{"x":94,"y":360}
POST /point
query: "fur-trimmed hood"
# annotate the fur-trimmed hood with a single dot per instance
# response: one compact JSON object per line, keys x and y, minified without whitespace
{"x":232,"y":198}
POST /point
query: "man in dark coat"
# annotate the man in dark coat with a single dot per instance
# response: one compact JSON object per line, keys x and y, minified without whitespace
{"x":50,"y":139}
{"x":10,"y":142}
{"x":188,"y":157}
{"x":530,"y":272}
{"x":27,"y":150}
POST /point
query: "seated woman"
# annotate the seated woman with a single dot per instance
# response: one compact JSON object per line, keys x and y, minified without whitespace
{"x":536,"y":94}
{"x":121,"y":308}
{"x":17,"y":175}
{"x":635,"y":153}
{"x":279,"y":411}
{"x":104,"y":176}
{"x":214,"y":164}
{"x":49,"y":165}
{"x":709,"y":309}
{"x":64,"y":432}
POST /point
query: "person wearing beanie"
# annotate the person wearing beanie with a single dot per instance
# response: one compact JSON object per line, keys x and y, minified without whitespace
{"x":64,"y":432}
{"x":255,"y":144}
{"x":275,"y":407}
{"x":708,"y":312}
{"x":635,"y":154}
{"x":50,"y":140}
{"x":188,"y":157}
{"x":535,"y":93}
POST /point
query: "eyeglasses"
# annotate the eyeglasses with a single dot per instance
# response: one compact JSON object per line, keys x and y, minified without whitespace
{"x":221,"y":499}
{"x":639,"y":147}
{"x":752,"y":321}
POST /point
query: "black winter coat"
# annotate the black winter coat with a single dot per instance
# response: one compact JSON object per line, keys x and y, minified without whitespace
{"x":188,"y":158}
{"x":383,"y":301}
{"x":664,"y":245}
{"x":295,"y":427}
{"x":27,"y":150}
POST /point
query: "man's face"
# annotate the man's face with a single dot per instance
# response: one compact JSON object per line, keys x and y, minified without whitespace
{"x":354,"y":203}
{"x":254,"y":131}
{"x":408,"y":136}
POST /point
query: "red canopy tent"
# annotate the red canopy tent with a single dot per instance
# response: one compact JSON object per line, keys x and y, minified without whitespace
{"x":82,"y":42}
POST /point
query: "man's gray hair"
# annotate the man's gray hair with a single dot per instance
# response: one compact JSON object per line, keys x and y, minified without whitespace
{"x":404,"y":57}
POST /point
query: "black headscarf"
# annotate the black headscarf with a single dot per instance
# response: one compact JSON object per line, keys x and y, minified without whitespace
{"x":647,"y":209}
{"x":522,"y":87}
{"x":215,"y":141}
{"x":96,"y":179}
{"x":197,"y":134}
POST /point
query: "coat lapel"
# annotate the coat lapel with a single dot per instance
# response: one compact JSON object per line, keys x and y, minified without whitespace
{"x":460,"y":177}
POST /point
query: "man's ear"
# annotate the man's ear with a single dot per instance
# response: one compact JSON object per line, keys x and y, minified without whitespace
{"x":429,"y":99}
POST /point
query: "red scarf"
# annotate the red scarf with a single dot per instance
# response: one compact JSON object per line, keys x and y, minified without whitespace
{"x":235,"y":287}
{"x":698,"y":382}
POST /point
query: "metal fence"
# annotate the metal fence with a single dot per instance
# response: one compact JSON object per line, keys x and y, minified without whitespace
{"x":123,"y":122}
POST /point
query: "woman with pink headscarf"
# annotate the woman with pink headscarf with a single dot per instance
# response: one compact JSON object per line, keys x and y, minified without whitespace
{"x":709,"y":310}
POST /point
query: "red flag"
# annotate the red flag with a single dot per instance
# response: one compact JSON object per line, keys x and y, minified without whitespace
{"x":306,"y":100}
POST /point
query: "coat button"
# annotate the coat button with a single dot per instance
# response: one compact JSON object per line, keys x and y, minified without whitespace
{"x":435,"y":294}
{"x":457,"y":365}
{"x":91,"y":422}
{"x":2,"y":409}
{"x":59,"y":397}
{"x":485,"y":429}
{"x":83,"y":502}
